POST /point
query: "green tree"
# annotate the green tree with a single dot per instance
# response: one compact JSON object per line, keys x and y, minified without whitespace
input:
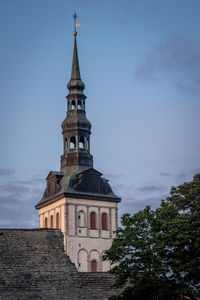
{"x":156,"y":254}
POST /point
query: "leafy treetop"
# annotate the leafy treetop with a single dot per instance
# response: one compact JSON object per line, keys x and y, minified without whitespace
{"x":157,"y":252}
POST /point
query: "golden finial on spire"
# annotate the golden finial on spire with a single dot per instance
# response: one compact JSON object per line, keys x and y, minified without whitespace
{"x":75,"y":24}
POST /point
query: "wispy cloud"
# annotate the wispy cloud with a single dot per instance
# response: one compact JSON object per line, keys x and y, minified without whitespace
{"x":17,"y":201}
{"x":6,"y":172}
{"x":151,"y":188}
{"x":134,"y":204}
{"x":165,"y":174}
{"x":176,"y":60}
{"x":13,"y":189}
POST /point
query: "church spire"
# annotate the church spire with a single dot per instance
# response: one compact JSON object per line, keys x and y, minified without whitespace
{"x":75,"y":85}
{"x":75,"y":74}
{"x":76,"y":129}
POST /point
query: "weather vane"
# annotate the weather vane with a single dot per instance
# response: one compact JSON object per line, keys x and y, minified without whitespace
{"x":75,"y":24}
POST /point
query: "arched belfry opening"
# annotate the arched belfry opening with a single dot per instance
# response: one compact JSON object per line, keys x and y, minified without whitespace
{"x":65,"y":144}
{"x":72,"y":142}
{"x":79,"y":105}
{"x":73,"y":105}
{"x":81,"y":142}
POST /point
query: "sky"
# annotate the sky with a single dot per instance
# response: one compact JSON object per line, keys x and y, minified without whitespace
{"x":140,"y":62}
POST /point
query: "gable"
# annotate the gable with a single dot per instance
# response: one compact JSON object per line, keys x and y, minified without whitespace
{"x":53,"y":184}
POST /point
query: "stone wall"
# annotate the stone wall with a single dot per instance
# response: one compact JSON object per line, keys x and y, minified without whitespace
{"x":33,"y":265}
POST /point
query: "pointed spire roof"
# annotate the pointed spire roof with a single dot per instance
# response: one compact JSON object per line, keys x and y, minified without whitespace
{"x":75,"y":82}
{"x":75,"y":74}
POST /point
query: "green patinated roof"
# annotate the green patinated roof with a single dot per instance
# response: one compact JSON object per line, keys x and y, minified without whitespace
{"x":80,"y":185}
{"x":75,"y":74}
{"x":75,"y":85}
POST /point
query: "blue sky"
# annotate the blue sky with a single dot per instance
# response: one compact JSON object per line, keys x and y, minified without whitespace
{"x":140,"y":62}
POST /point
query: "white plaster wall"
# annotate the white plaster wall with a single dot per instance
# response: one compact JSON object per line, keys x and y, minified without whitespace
{"x":41,"y":221}
{"x":62,"y":218}
{"x":82,"y":230}
{"x":93,"y":203}
{"x":105,"y":234}
{"x":82,"y":260}
{"x":113,"y":222}
{"x":71,"y":219}
{"x":94,"y":233}
{"x":88,"y":244}
{"x":88,"y":240}
{"x":81,"y":243}
{"x":52,"y":209}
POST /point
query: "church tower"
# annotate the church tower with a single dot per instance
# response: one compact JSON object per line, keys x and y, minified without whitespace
{"x":78,"y":200}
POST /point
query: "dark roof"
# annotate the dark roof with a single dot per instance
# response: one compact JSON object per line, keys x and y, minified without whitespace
{"x":85,"y":184}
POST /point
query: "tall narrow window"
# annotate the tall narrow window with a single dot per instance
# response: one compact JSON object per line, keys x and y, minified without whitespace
{"x":104,"y":221}
{"x":57,"y":221}
{"x":72,"y":142}
{"x":81,"y":219}
{"x":81,"y":142}
{"x":65,"y":144}
{"x":51,"y":221}
{"x":45,"y":223}
{"x":73,"y":106}
{"x":79,"y":104}
{"x":88,"y":143}
{"x":94,"y":265}
{"x":93,"y":220}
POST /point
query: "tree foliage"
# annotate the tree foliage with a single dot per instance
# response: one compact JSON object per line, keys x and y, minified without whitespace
{"x":157,"y":252}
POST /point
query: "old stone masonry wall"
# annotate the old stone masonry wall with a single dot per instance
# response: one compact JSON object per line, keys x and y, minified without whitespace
{"x":33,"y":265}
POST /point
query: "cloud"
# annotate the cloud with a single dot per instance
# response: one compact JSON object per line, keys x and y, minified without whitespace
{"x":17,"y":201}
{"x":176,"y":60}
{"x":133,"y":204}
{"x":165,"y":174}
{"x":151,"y":188}
{"x":112,"y":176}
{"x":6,"y":172}
{"x":13,"y":189}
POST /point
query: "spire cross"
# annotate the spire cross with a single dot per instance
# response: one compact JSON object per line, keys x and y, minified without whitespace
{"x":75,"y":17}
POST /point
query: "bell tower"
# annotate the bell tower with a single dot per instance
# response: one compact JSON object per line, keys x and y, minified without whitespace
{"x":76,"y":129}
{"x":78,"y":200}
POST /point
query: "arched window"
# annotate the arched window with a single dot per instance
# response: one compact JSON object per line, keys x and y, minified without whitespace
{"x":104,"y":221}
{"x":79,"y":104}
{"x":72,"y":142}
{"x":46,"y":223}
{"x":57,"y":221}
{"x":65,"y":144}
{"x":93,"y":220}
{"x":81,"y":219}
{"x":73,"y":106}
{"x":81,"y":142}
{"x":51,"y":221}
{"x":68,"y":103}
{"x":94,"y":265}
